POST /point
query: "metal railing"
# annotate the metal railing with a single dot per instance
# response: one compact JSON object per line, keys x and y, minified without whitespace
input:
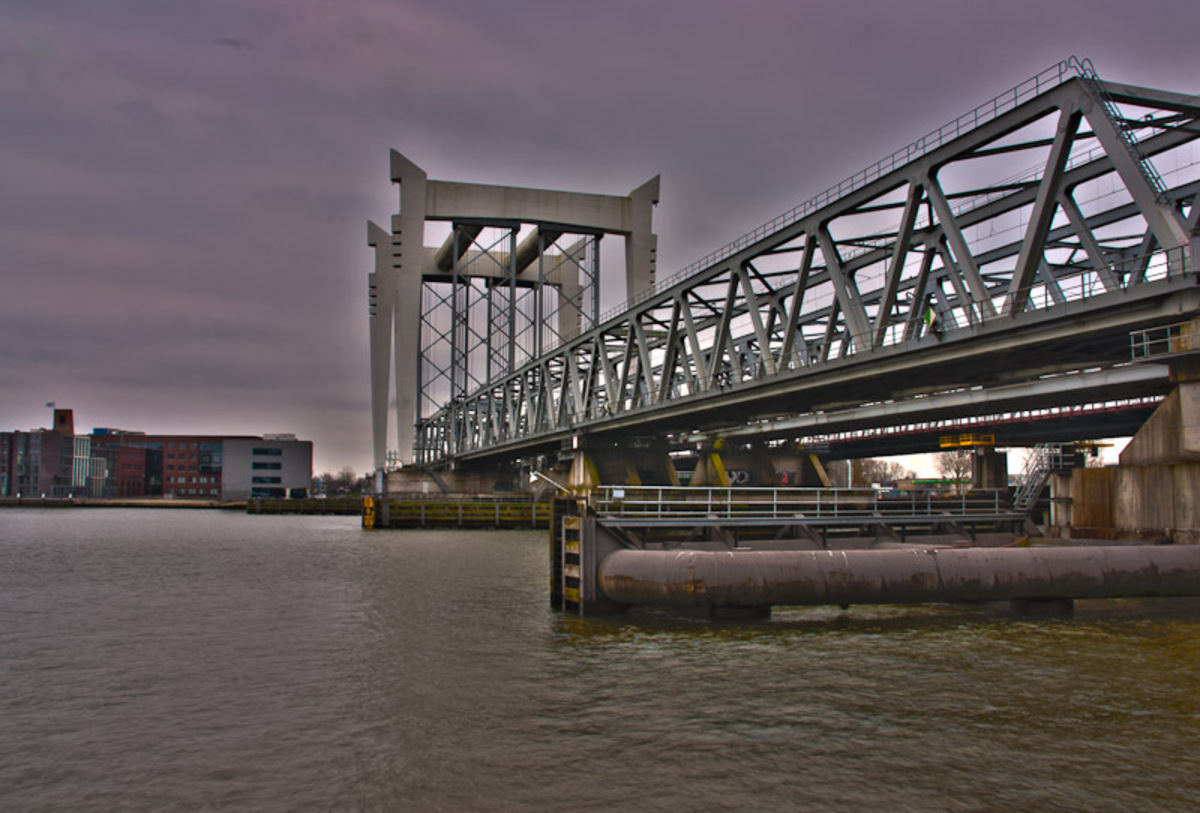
{"x":1178,"y":339}
{"x":1046,"y":459}
{"x":796,"y":505}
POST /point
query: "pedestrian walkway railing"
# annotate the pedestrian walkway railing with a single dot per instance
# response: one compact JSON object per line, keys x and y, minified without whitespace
{"x":1181,"y":338}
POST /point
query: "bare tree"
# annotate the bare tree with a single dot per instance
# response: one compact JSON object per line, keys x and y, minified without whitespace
{"x":344,"y":482}
{"x":955,"y":465}
{"x":870,"y":470}
{"x":865,"y":471}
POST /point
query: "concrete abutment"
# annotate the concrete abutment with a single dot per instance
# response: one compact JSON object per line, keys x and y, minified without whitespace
{"x":1153,"y":494}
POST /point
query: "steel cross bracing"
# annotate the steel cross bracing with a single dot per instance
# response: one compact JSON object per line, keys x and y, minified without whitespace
{"x":950,"y":263}
{"x":497,"y":306}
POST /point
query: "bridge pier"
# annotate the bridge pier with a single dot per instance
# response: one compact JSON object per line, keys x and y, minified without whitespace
{"x":989,"y":470}
{"x":634,"y":463}
{"x":726,"y":465}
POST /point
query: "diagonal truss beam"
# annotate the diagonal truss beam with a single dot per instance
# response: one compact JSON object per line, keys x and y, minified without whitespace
{"x":1034,"y":244}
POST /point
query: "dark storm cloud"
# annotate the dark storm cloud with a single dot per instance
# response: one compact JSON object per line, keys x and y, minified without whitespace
{"x":184,"y":187}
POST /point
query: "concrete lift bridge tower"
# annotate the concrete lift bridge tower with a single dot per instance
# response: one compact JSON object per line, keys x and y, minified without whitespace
{"x":518,"y":275}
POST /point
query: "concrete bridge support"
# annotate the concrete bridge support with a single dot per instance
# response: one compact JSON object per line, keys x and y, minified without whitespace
{"x":726,"y":466}
{"x":1153,"y":493}
{"x":640,"y":462}
{"x":989,"y":470}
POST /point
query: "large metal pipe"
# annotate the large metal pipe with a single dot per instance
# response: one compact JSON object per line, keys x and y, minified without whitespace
{"x":689,"y":578}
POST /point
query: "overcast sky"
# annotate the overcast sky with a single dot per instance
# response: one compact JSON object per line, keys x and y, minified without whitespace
{"x":184,"y":186}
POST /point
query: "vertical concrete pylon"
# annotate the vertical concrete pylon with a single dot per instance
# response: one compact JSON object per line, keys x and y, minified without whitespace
{"x":381,"y":298}
{"x":408,"y":248}
{"x":641,"y":246}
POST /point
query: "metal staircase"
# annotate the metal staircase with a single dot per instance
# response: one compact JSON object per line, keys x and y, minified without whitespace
{"x":1046,"y":459}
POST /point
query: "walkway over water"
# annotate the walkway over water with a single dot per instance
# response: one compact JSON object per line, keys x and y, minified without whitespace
{"x":997,"y":264}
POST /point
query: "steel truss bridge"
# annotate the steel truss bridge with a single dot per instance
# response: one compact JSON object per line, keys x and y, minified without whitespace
{"x":997,"y":264}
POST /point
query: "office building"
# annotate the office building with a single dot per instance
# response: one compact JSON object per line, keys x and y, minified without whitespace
{"x":115,"y":463}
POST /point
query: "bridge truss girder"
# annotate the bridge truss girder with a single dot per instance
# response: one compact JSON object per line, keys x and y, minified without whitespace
{"x":922,"y":271}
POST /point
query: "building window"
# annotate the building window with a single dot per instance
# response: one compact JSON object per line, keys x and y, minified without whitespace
{"x":261,"y":480}
{"x":267,"y":465}
{"x":210,"y":458}
{"x":265,"y":451}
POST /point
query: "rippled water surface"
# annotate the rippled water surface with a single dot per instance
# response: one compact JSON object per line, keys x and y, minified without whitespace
{"x":191,"y":660}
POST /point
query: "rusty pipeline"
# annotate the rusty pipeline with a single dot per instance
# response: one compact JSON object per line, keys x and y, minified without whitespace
{"x":692,"y":578}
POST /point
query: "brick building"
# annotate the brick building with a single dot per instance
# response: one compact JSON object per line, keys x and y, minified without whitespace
{"x":40,"y":461}
{"x":114,"y":463}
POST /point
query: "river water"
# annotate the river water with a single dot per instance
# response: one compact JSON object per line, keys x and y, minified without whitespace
{"x":166,"y":660}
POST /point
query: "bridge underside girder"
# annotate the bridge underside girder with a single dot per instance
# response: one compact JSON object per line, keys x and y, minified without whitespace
{"x":949,"y":266}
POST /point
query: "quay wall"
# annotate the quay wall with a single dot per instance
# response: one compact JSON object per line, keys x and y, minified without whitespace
{"x":1145,"y":503}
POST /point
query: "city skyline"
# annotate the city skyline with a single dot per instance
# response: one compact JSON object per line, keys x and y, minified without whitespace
{"x":183,"y":240}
